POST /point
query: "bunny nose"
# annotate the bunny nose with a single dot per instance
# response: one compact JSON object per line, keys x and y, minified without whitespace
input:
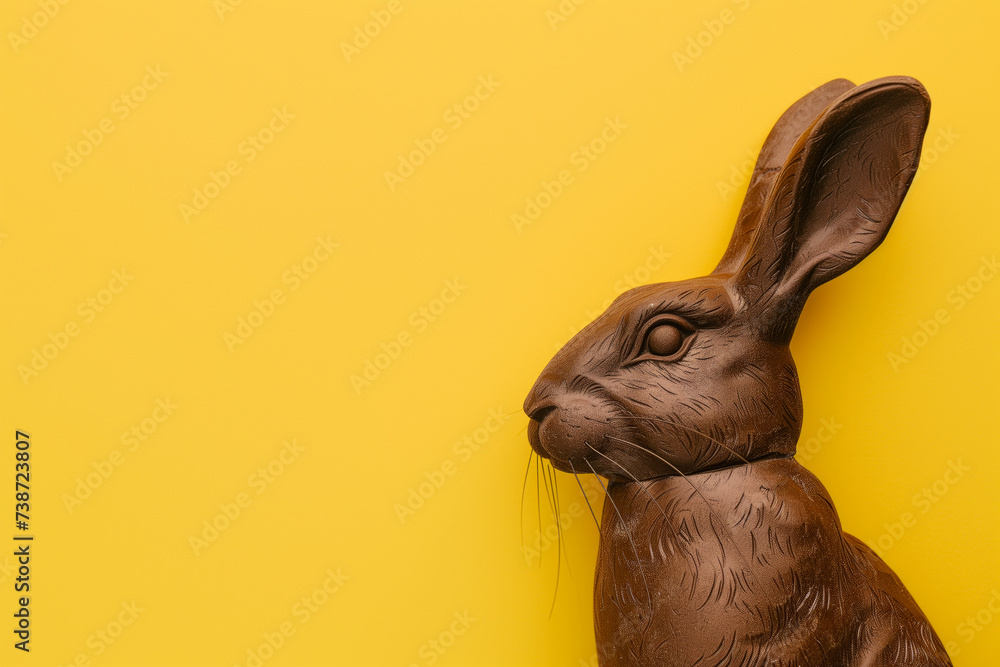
{"x":538,"y":403}
{"x":538,"y":415}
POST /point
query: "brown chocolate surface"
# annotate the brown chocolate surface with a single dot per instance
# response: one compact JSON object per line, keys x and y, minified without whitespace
{"x":717,"y":547}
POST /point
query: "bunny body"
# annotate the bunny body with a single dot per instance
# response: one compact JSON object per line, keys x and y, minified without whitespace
{"x":717,"y":547}
{"x":752,"y":569}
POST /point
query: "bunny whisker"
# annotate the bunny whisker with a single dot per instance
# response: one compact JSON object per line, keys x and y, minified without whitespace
{"x":559,"y":528}
{"x":638,"y":561}
{"x":589,"y":506}
{"x":538,"y":501}
{"x":524,"y":486}
{"x":692,"y":430}
{"x":555,"y":593}
{"x":645,"y":488}
{"x":548,"y":492}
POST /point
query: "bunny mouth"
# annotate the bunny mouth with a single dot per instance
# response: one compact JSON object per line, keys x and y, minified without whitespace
{"x":583,"y":444}
{"x":535,"y":440}
{"x":578,"y":455}
{"x":592,"y":433}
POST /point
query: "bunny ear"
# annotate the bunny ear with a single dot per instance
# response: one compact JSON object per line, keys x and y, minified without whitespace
{"x":833,"y":201}
{"x":778,"y":144}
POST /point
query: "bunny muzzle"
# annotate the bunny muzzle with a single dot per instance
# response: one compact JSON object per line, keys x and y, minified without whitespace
{"x":573,"y":424}
{"x":564,"y":433}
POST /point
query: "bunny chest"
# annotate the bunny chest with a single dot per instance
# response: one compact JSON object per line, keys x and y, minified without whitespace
{"x":718,"y":567}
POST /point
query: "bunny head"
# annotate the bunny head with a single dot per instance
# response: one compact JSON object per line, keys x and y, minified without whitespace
{"x":687,"y":376}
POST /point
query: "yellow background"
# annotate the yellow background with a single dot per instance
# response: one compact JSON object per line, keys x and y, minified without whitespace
{"x":657,"y":186}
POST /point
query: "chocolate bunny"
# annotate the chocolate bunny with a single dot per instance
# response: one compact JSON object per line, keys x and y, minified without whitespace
{"x":717,"y":548}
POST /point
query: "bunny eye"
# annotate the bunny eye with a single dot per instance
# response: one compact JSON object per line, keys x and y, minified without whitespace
{"x":665,"y":340}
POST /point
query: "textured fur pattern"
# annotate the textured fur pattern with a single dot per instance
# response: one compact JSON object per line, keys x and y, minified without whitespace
{"x":717,"y":548}
{"x":767,"y":579}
